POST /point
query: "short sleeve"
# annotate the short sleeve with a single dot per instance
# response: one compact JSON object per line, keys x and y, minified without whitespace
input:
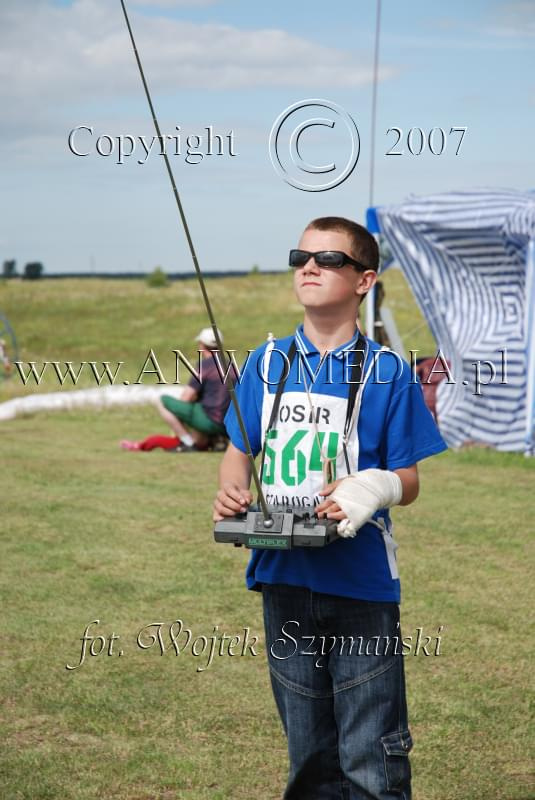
{"x":411,"y":433}
{"x":249,"y":393}
{"x":193,"y":383}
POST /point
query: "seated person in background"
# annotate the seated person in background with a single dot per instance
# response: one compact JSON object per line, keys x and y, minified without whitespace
{"x":198,"y":415}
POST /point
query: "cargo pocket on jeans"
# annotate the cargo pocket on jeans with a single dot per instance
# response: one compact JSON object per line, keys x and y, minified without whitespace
{"x":397,"y":747}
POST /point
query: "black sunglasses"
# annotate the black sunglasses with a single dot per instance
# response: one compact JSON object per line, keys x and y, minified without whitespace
{"x":324,"y":258}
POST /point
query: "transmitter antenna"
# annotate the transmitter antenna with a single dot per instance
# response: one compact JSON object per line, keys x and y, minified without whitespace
{"x":268,"y":520}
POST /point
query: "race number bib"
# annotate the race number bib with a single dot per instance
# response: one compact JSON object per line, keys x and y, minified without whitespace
{"x":293,"y":468}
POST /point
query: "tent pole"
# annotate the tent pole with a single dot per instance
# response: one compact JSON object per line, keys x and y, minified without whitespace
{"x":370,"y":298}
{"x":529,"y":334}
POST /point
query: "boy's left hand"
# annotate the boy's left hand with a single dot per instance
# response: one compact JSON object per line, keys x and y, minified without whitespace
{"x":360,"y":496}
{"x":329,"y":508}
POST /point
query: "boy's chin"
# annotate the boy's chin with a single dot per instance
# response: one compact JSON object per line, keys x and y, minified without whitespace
{"x":320,"y":304}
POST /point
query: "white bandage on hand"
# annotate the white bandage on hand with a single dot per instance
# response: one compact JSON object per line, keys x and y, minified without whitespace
{"x":361,"y":495}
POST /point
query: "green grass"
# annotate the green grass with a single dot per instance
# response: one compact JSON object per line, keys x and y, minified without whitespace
{"x":90,"y":532}
{"x":118,"y":320}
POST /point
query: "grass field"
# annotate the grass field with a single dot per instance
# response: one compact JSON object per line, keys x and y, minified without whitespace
{"x":93,"y":533}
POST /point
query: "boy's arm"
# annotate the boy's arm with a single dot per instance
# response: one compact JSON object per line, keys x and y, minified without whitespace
{"x":410,"y":483}
{"x":410,"y":486}
{"x":234,"y":481}
{"x":354,"y":500}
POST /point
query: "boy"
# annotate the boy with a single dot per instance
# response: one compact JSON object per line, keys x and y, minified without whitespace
{"x":330,"y":612}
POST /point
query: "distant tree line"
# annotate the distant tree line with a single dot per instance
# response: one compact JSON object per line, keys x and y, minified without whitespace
{"x":33,"y":270}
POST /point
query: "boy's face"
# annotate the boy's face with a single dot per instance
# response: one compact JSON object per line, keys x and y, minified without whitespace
{"x":326,"y":287}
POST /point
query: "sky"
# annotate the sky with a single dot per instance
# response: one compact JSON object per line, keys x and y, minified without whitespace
{"x":232,"y":68}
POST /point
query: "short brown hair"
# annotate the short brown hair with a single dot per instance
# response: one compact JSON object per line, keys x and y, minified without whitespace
{"x":364,"y":248}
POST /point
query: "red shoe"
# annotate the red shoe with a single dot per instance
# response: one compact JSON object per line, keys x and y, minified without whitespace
{"x":165,"y":442}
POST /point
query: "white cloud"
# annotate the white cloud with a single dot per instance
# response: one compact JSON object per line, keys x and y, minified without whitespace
{"x":171,"y":3}
{"x":496,"y":28}
{"x":514,"y":19}
{"x":57,"y":62}
{"x":61,"y":53}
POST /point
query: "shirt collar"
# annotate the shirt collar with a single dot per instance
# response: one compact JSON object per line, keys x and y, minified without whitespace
{"x":305,"y":346}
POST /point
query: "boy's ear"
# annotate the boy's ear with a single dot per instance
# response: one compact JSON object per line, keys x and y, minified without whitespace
{"x":367,"y":280}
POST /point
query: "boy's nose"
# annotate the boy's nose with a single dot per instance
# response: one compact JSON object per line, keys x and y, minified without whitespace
{"x":310,"y":265}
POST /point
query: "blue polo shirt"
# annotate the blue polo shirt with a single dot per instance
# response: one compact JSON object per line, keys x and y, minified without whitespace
{"x":393,"y":429}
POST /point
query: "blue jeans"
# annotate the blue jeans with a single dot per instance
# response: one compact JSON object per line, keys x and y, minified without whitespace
{"x":339,"y":686}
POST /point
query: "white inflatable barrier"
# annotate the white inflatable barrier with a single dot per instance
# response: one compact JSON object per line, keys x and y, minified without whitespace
{"x":98,"y":398}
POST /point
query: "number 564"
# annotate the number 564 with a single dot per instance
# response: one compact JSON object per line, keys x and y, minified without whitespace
{"x":291,"y":467}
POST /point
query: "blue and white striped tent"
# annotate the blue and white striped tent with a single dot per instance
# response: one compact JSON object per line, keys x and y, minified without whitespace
{"x":469,"y":258}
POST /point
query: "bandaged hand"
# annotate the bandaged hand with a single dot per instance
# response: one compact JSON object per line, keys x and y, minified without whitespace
{"x":361,"y":495}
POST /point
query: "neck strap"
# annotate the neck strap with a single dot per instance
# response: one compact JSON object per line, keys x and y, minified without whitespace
{"x":354,"y":386}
